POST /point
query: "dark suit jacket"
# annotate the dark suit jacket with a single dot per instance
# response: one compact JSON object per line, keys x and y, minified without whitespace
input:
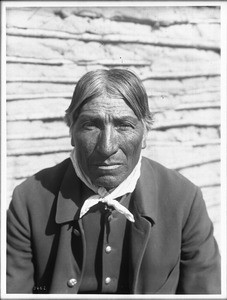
{"x":172,"y":249}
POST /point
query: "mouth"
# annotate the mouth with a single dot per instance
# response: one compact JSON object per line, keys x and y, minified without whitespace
{"x":104,"y":166}
{"x":108,"y":167}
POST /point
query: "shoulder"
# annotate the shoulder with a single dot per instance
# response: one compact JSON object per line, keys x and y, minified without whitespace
{"x":40,"y":185}
{"x":167,"y":178}
{"x":173,"y":192}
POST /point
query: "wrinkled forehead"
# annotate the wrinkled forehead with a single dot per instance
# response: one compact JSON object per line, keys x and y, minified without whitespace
{"x":107,"y":106}
{"x":105,"y":102}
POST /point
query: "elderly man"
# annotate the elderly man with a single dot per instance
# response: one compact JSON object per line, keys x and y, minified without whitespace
{"x":106,"y":220}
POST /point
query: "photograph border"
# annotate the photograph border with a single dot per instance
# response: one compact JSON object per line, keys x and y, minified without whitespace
{"x":3,"y":189}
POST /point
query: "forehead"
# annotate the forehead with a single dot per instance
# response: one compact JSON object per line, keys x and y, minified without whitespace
{"x":107,"y":105}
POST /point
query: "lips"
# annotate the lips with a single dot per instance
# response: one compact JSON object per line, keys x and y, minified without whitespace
{"x":107,"y":166}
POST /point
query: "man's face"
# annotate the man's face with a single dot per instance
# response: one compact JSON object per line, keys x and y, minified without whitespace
{"x":108,"y":137}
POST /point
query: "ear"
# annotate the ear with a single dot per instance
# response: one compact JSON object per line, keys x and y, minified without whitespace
{"x":72,"y":142}
{"x":144,"y":140}
{"x":144,"y":143}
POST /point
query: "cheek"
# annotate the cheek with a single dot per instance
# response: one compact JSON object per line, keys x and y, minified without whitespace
{"x":85,"y":143}
{"x":132,"y":144}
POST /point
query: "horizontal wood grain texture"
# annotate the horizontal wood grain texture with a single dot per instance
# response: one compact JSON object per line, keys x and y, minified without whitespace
{"x":55,"y":108}
{"x":145,"y":39}
{"x":93,"y":51}
{"x":174,"y":50}
{"x":157,"y":16}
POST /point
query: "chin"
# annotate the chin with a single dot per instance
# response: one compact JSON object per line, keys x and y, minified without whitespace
{"x":107,"y":182}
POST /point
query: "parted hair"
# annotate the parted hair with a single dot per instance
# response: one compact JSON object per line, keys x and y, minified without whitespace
{"x":113,"y":83}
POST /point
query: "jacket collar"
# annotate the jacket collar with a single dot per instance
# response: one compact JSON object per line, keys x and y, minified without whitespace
{"x":145,"y":195}
{"x":68,"y":201}
{"x":73,"y":192}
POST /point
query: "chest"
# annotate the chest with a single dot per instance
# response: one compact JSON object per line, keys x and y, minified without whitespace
{"x":105,"y":268}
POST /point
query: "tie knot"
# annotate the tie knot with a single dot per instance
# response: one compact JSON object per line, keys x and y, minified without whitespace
{"x":102,"y":192}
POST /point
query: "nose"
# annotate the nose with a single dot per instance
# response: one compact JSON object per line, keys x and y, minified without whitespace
{"x":107,"y":142}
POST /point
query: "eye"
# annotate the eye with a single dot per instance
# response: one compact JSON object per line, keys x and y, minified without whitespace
{"x":125,"y":125}
{"x":88,"y":125}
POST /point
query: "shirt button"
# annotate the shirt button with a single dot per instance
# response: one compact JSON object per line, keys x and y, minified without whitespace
{"x":108,"y":249}
{"x":107,"y":280}
{"x":71,"y":282}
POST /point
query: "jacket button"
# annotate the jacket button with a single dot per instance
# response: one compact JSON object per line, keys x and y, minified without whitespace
{"x":108,"y":249}
{"x":107,"y":280}
{"x":71,"y":282}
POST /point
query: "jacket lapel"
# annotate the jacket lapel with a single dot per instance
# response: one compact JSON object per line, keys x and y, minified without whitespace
{"x":71,"y":195}
{"x":68,"y":201}
{"x":144,"y":207}
{"x":139,"y":238}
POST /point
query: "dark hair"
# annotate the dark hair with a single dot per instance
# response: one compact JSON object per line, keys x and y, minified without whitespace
{"x":118,"y":83}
